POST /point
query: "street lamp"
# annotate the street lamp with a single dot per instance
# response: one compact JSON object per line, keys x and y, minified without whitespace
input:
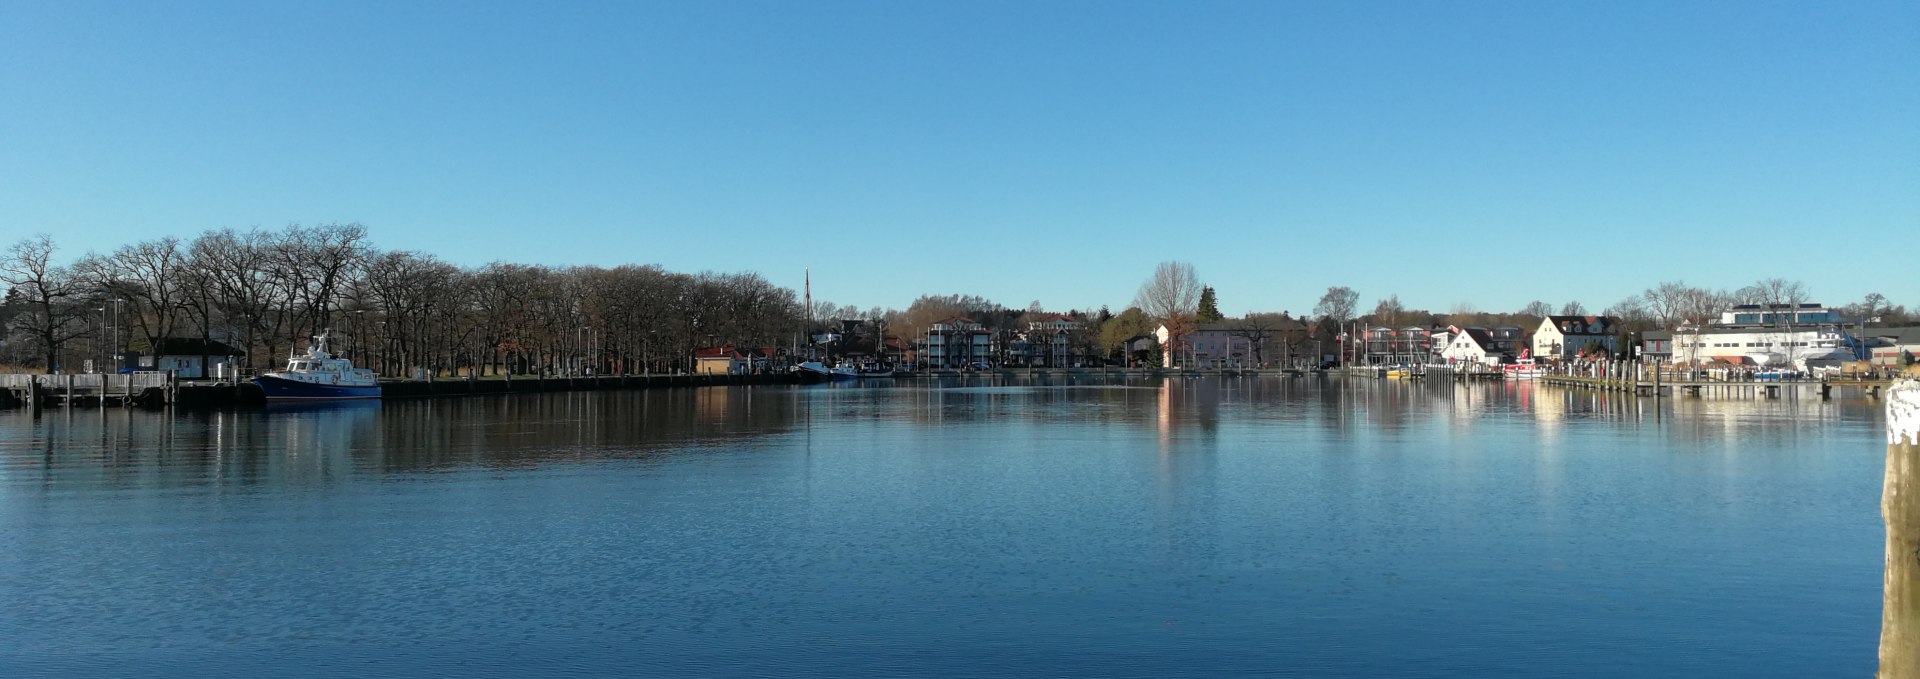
{"x":96,"y":335}
{"x":113,"y":349}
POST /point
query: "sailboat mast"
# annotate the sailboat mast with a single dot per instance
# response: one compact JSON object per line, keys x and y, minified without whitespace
{"x":807,"y":331}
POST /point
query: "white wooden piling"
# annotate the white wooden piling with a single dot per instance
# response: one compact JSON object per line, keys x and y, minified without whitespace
{"x":1900,"y":506}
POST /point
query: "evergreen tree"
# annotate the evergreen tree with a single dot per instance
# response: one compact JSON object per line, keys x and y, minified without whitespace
{"x":1209,"y":307}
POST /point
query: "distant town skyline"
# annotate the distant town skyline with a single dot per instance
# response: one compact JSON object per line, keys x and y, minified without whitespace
{"x":1486,"y":153}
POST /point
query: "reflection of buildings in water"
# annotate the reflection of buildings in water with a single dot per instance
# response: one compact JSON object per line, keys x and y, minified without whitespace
{"x":1164,"y":418}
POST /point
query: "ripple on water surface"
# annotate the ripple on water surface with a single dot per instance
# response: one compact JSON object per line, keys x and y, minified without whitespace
{"x":1205,"y":527}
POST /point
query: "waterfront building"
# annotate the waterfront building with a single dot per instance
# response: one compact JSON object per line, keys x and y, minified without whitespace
{"x":729,"y":360}
{"x":1506,"y":341}
{"x":1656,"y":345}
{"x":958,"y":342}
{"x":1138,"y":349}
{"x":1749,"y":315}
{"x":1469,"y":345}
{"x":192,"y":358}
{"x":1759,"y":346}
{"x":1048,"y":341}
{"x":1391,"y":346}
{"x":1562,"y":337}
{"x":1888,"y":345}
{"x":1210,"y":345}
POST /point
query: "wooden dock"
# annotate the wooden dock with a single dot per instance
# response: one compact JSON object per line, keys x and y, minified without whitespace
{"x":78,"y":390}
{"x":1756,"y":389}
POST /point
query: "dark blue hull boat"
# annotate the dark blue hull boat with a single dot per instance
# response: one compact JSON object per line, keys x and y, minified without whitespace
{"x":278,"y":389}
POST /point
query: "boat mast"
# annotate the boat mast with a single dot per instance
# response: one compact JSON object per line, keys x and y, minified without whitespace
{"x":807,"y":330}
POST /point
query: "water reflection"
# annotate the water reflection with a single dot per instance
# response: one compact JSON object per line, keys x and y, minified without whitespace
{"x":1199,"y":526}
{"x":330,"y":442}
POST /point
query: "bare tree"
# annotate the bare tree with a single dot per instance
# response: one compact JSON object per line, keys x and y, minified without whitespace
{"x":1337,"y":304}
{"x":1261,"y":328}
{"x":1173,"y":292}
{"x":52,"y":310}
{"x":1778,"y":295}
{"x":1389,"y":311}
{"x":1673,"y":303}
{"x":1573,"y":308}
{"x":153,"y":276}
{"x":1537,"y":308}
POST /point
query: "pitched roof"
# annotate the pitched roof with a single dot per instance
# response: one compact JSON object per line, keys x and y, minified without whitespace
{"x":1604,"y":323}
{"x":729,"y":351}
{"x":194,"y":346}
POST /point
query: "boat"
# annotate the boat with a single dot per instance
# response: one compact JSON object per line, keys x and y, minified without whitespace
{"x":815,"y":372}
{"x":872,"y":371}
{"x":1523,"y":369}
{"x":317,"y":375}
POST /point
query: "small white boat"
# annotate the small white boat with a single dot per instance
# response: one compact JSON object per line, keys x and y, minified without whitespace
{"x":1523,"y":369}
{"x":813,"y":372}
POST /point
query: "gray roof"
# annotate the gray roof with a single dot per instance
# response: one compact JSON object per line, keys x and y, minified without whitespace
{"x":1906,"y":334}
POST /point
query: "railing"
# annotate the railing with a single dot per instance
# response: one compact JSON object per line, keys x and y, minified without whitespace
{"x":86,"y":382}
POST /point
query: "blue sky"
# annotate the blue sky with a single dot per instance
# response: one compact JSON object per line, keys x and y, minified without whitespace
{"x":1484,"y":153}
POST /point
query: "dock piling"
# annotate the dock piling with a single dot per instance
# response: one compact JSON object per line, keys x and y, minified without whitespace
{"x":1900,"y":506}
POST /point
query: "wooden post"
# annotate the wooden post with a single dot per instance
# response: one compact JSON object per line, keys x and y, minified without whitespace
{"x":1900,"y":506}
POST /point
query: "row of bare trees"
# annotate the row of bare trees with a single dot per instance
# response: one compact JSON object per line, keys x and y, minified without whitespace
{"x":268,"y":291}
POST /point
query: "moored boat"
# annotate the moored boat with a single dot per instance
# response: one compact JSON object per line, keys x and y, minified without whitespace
{"x":317,"y":375}
{"x":1524,"y":369}
{"x":815,"y":372}
{"x":875,"y":371}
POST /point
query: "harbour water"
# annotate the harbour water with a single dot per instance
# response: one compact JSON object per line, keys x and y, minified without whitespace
{"x":1202,"y":527}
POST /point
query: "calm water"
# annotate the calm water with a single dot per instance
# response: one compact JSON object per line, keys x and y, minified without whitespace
{"x":1190,"y":528}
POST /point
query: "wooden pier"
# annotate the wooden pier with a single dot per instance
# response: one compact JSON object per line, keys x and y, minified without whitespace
{"x":1756,"y":389}
{"x":80,"y":390}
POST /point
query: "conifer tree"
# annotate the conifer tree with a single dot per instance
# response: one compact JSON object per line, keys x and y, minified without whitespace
{"x":1209,"y":307}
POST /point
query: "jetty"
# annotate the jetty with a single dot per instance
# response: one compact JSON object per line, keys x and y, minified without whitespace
{"x":1657,"y":384}
{"x":87,"y":389}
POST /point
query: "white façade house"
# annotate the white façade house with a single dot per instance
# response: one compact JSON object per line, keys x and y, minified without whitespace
{"x":1468,"y":345}
{"x":1562,"y":337}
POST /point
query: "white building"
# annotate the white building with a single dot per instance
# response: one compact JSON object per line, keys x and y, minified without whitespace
{"x":1758,"y":346}
{"x":1468,"y":345}
{"x":1563,"y":337}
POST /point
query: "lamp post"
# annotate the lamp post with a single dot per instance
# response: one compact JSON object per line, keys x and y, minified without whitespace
{"x":98,"y":341}
{"x":113,"y":348}
{"x":359,"y":326}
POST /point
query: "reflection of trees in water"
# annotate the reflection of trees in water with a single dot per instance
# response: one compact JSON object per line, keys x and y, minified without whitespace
{"x":138,"y":448}
{"x":329,"y":442}
{"x":518,"y":431}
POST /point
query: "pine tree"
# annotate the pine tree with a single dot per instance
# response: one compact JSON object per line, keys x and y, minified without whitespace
{"x":1209,"y":307}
